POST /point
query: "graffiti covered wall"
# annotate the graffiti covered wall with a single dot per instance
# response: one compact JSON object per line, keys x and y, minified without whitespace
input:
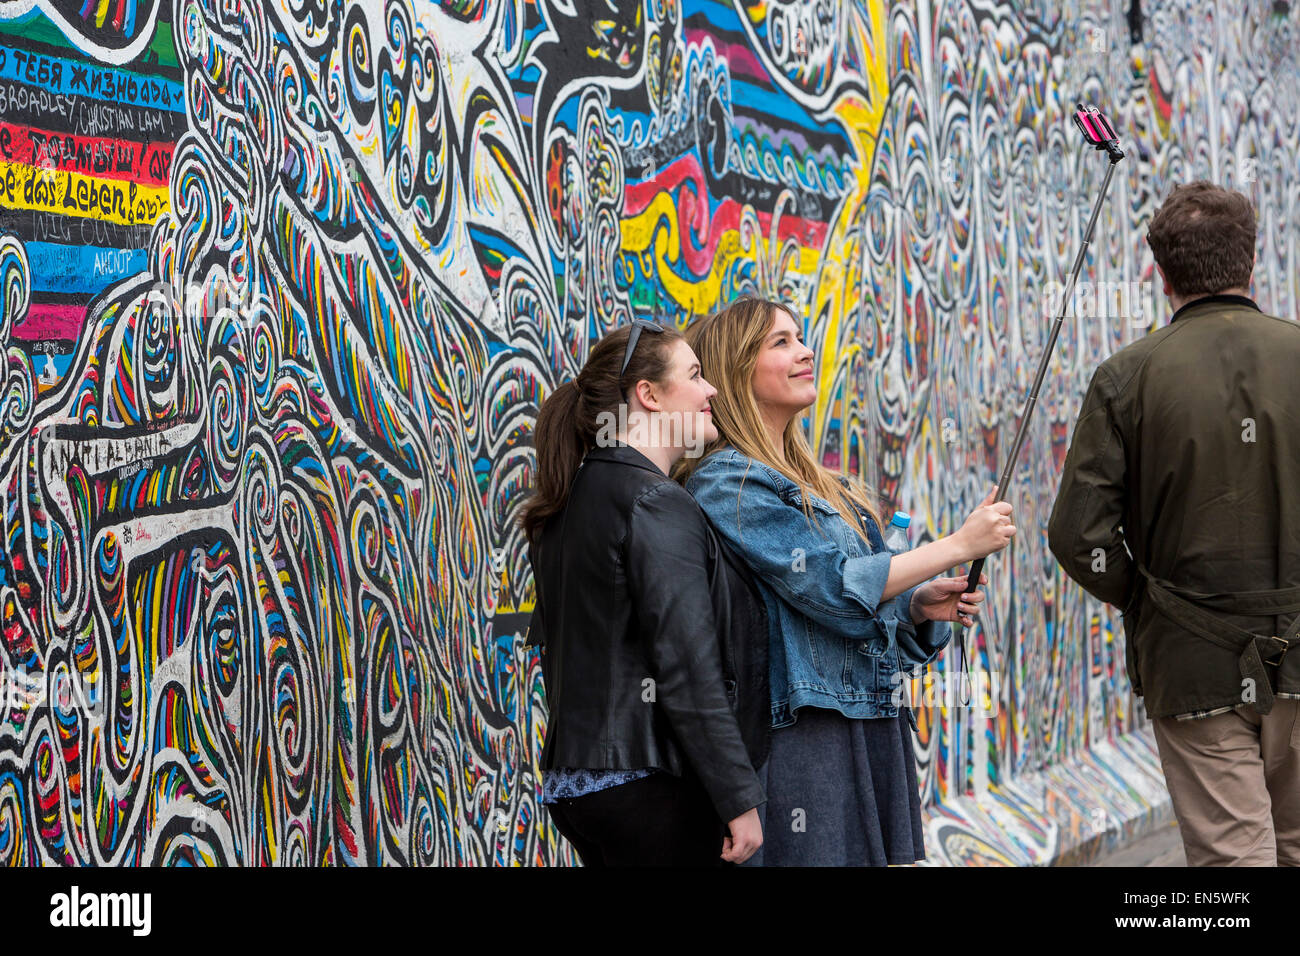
{"x":284,"y":284}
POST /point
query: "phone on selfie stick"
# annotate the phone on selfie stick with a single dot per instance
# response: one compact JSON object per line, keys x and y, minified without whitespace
{"x":1100,"y":134}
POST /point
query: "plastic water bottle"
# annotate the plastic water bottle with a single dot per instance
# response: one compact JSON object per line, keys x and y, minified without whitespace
{"x":896,"y":543}
{"x":896,"y":536}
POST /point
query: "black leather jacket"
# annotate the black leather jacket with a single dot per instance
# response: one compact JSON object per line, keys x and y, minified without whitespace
{"x":654,"y":637}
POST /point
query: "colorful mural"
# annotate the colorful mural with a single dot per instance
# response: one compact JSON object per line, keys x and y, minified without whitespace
{"x":284,"y":285}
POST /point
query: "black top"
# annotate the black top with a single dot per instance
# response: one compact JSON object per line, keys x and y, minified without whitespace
{"x":654,"y":637}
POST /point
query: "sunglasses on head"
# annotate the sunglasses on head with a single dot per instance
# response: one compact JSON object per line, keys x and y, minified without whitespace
{"x":637,"y":326}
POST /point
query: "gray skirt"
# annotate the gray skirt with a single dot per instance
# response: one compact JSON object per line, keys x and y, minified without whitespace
{"x":840,"y":792}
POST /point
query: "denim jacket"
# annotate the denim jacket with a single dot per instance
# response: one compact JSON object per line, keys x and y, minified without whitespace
{"x":833,"y":643}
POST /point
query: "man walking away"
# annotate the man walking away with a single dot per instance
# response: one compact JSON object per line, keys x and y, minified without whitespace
{"x":1187,"y":451}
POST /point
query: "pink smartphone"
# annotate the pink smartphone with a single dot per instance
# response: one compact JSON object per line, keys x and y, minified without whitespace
{"x":1095,"y":127}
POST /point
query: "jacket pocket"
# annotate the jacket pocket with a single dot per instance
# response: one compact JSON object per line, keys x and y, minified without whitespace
{"x":877,"y":639}
{"x":828,"y":521}
{"x":810,"y":638}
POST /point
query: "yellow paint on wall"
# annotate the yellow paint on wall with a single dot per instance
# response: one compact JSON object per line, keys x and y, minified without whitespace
{"x":654,"y":236}
{"x":25,"y":187}
{"x":831,"y":299}
{"x":658,"y":222}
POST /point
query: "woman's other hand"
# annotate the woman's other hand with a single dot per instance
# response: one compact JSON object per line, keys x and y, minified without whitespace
{"x":745,"y":838}
{"x":988,"y":528}
{"x":946,"y":599}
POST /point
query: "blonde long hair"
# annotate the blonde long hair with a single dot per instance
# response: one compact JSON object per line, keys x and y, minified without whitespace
{"x":728,"y":344}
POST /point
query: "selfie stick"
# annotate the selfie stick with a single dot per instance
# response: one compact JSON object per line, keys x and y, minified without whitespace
{"x":1098,"y":133}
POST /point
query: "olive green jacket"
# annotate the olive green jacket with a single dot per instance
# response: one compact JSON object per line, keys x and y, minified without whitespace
{"x":1186,"y":461}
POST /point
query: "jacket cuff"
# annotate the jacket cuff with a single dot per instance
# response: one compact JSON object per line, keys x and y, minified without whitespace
{"x":865,"y":577}
{"x":919,"y":644}
{"x":735,"y":804}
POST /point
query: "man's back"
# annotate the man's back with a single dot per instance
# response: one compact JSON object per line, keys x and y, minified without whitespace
{"x":1180,"y":502}
{"x":1207,"y":415}
{"x":1213,"y":439}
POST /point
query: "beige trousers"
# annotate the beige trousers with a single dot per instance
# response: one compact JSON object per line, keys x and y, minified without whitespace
{"x":1234,"y":780}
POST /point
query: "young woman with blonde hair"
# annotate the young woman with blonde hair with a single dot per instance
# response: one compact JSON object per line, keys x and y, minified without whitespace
{"x":846,"y":618}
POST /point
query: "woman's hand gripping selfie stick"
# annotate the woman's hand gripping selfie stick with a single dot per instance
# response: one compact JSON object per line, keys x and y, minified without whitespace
{"x":1099,"y":134}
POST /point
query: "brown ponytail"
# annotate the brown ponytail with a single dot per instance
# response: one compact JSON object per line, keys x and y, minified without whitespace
{"x":568,"y":421}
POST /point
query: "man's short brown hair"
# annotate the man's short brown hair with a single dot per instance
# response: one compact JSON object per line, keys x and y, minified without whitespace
{"x":1203,"y":238}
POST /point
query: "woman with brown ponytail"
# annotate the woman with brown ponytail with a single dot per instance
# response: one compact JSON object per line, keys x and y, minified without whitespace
{"x":848,"y":618}
{"x":651,"y":632}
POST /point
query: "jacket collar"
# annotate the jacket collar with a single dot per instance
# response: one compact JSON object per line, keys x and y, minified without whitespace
{"x":1214,"y":300}
{"x":623,"y":455}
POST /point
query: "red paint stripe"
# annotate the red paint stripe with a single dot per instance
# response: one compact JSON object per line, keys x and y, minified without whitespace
{"x":102,"y":157}
{"x":51,"y":320}
{"x":740,"y":58}
{"x":695,"y":220}
{"x":639,"y":195}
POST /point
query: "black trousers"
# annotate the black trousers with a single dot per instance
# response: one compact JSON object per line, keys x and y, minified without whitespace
{"x":659,"y":820}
